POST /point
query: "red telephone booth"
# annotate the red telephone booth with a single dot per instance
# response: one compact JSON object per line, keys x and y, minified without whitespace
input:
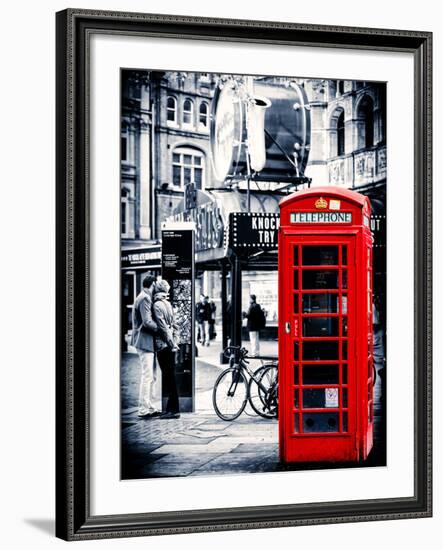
{"x":325,"y":326}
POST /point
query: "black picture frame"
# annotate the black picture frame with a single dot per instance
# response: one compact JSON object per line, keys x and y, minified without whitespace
{"x":73,"y":518}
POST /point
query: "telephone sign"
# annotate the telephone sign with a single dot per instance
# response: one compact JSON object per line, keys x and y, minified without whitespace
{"x":321,"y":217}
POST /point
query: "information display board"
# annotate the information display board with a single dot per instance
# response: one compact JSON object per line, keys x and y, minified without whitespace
{"x":177,"y":261}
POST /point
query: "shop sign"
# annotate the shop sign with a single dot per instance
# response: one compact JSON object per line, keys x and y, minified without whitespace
{"x":378,"y":228}
{"x":138,"y":258}
{"x":254,"y":230}
{"x":208,"y":225}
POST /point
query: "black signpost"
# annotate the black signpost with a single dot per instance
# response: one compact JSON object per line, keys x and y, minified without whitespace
{"x":177,"y":260}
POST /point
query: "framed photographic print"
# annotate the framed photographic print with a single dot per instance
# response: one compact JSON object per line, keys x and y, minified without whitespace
{"x":243,"y":274}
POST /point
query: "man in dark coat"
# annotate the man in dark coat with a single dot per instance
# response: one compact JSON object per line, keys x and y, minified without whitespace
{"x":143,"y":331}
{"x":211,"y":322}
{"x":256,"y":321}
{"x":202,"y":315}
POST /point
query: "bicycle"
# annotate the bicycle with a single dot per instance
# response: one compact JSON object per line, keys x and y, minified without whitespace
{"x":232,"y":389}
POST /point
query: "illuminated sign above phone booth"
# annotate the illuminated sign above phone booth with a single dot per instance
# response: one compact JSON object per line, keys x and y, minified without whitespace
{"x":326,"y":406}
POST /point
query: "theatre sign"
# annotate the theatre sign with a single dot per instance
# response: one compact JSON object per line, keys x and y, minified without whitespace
{"x":208,"y":225}
{"x":253,"y":230}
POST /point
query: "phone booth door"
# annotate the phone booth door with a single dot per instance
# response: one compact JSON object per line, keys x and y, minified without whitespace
{"x":318,"y":305}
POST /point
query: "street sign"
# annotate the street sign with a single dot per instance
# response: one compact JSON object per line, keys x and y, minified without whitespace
{"x":253,"y":230}
{"x":146,"y":258}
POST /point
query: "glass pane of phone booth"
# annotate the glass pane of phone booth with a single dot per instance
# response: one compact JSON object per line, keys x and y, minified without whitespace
{"x":320,"y":308}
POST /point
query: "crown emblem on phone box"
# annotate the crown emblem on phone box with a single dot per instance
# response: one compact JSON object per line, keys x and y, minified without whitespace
{"x":321,"y":203}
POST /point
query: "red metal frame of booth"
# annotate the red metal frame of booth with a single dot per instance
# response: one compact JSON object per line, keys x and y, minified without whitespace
{"x":325,"y":402}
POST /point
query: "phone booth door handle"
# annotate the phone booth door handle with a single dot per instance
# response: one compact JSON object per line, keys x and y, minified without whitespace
{"x":288,"y":327}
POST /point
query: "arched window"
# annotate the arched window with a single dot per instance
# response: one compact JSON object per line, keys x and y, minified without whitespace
{"x":337,"y":133}
{"x":365,"y":116}
{"x":203,"y":116}
{"x":341,"y":134}
{"x":188,"y":166}
{"x":171,"y":110}
{"x":188,"y":112}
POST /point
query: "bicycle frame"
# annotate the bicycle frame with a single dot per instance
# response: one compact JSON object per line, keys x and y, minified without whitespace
{"x":259,"y":390}
{"x":242,"y":366}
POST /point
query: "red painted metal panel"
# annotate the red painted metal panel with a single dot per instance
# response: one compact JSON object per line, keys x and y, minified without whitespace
{"x":325,"y":329}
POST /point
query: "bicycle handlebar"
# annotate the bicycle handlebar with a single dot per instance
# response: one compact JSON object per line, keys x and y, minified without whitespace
{"x":235,"y":351}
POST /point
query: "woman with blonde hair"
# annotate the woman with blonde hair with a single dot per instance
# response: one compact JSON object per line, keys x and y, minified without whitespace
{"x":165,"y":345}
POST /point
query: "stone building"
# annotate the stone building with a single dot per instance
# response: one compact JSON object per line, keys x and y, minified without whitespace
{"x":164,"y":145}
{"x":348,"y":145}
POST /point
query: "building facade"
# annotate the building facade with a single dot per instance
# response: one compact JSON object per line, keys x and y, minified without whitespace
{"x":165,"y":120}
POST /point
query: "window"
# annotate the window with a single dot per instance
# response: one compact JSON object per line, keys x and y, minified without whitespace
{"x":340,"y":87}
{"x":203,"y":118}
{"x":171,"y":110}
{"x":188,"y":112}
{"x":127,"y":213}
{"x":124,"y":147}
{"x":125,"y":154}
{"x":337,"y":141}
{"x":365,"y":115}
{"x":124,"y":212}
{"x":341,"y":134}
{"x":188,"y":167}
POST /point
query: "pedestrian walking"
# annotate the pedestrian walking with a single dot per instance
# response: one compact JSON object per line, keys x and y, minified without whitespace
{"x":211,"y":322}
{"x":202,"y":315}
{"x":256,"y":321}
{"x":166,"y":347}
{"x":143,"y":331}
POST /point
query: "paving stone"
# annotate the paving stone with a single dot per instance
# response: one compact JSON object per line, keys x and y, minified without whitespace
{"x":180,"y":458}
{"x":173,"y":470}
{"x":190,"y":449}
{"x":255,"y":447}
{"x":204,"y":434}
{"x":131,"y":410}
{"x":140,"y":448}
{"x":231,"y":463}
{"x":215,"y":427}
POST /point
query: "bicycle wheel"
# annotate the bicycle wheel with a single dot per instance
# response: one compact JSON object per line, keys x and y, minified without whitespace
{"x":263,"y":391}
{"x":230,"y":394}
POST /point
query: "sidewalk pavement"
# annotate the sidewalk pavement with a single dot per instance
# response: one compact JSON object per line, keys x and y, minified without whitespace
{"x":200,"y":443}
